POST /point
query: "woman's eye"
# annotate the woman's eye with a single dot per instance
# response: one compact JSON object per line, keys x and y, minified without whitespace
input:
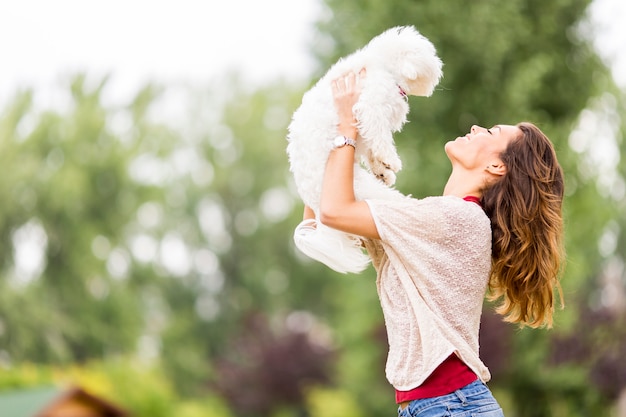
{"x":489,"y":131}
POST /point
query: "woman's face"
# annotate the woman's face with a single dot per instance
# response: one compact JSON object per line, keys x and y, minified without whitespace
{"x":481,"y":147}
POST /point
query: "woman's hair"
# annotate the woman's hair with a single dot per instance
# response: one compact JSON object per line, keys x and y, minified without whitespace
{"x":527,"y":227}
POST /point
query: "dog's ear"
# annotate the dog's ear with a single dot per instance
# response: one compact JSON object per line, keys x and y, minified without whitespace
{"x":408,"y":71}
{"x":421,"y":73}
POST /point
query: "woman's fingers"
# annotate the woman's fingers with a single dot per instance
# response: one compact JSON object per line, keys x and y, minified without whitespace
{"x":348,"y":82}
{"x":339,"y":87}
{"x":361,"y":78}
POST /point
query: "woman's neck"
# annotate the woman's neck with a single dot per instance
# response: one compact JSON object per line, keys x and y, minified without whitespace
{"x":463,"y":185}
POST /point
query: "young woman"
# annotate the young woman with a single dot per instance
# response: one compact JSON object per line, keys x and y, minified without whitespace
{"x":497,"y":227}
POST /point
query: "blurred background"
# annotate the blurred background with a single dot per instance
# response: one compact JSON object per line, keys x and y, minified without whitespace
{"x":147,"y":208}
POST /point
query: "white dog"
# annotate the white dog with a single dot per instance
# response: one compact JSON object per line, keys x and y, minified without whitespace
{"x":399,"y":62}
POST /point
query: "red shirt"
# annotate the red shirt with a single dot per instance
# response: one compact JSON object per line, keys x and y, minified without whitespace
{"x":448,"y":377}
{"x":472,"y":199}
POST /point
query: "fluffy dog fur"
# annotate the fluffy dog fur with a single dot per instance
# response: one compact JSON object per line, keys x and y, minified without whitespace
{"x":399,"y":62}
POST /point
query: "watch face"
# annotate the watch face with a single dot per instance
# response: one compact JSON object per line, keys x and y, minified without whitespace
{"x":340,"y":141}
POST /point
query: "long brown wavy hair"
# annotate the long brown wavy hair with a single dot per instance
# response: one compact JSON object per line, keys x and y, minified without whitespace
{"x":527,"y":230}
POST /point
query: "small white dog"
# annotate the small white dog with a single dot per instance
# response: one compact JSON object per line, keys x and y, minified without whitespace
{"x":399,"y":62}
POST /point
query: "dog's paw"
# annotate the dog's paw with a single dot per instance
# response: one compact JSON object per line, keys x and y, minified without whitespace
{"x":383,"y":171}
{"x":388,"y":177}
{"x":392,"y":162}
{"x":389,"y":161}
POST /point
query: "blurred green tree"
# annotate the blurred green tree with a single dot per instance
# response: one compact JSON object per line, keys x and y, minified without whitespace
{"x":67,"y":195}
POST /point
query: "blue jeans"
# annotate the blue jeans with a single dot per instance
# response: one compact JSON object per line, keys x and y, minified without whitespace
{"x":473,"y":400}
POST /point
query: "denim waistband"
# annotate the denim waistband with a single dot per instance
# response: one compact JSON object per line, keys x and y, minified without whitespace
{"x":476,"y":390}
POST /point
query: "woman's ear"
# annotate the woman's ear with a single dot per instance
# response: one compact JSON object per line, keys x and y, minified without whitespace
{"x":497,"y":168}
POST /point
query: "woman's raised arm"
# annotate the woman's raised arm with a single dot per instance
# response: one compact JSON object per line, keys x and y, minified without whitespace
{"x":339,"y":208}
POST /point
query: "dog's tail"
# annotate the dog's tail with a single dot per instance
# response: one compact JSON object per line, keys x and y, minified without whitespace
{"x":335,"y":249}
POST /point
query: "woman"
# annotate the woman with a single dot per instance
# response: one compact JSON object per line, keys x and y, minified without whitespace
{"x":498,"y":226}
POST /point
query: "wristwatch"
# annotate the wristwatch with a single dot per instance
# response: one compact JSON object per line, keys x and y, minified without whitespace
{"x":340,"y":141}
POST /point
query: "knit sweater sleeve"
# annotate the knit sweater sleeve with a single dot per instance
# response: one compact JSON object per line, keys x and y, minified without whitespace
{"x":433,"y":262}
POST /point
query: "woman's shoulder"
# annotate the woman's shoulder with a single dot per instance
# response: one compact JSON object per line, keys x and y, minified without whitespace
{"x":438,"y":202}
{"x":421,"y":212}
{"x":462,"y":207}
{"x":408,"y":206}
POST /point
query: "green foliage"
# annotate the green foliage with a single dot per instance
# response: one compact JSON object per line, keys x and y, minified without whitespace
{"x":68,"y":186}
{"x":333,"y":403}
{"x":143,"y":390}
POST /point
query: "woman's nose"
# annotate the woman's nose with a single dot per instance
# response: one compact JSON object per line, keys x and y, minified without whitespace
{"x":475,"y":128}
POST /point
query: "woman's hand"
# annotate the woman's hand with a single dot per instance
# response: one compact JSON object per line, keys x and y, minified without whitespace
{"x":346,"y":91}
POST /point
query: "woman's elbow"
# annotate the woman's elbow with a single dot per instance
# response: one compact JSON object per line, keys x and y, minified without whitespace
{"x":329,"y":216}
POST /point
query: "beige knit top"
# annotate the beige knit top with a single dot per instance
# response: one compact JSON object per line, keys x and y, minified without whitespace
{"x":433,"y":261}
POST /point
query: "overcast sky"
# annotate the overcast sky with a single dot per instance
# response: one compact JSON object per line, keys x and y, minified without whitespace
{"x":138,"y":40}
